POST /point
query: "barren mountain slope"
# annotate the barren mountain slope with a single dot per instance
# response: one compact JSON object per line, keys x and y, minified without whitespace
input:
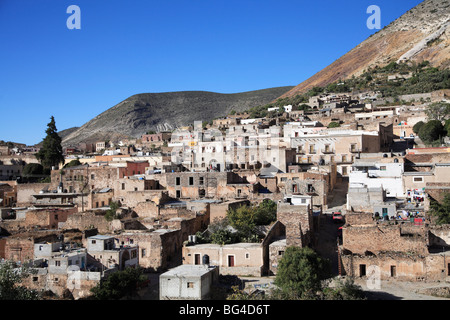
{"x":141,"y":113}
{"x":420,"y":34}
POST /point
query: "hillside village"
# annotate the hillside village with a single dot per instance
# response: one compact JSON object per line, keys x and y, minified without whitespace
{"x":347,"y":174}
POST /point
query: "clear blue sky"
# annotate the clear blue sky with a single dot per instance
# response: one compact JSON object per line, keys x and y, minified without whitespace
{"x":136,"y":46}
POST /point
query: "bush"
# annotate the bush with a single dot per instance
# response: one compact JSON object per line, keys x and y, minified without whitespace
{"x":334,"y":124}
{"x":73,"y":163}
{"x":119,"y":284}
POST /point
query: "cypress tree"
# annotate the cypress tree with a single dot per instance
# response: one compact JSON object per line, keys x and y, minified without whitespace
{"x":51,"y":153}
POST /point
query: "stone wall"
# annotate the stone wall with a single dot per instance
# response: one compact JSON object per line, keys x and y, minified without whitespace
{"x":298,"y":223}
{"x":378,"y":238}
{"x":26,"y":191}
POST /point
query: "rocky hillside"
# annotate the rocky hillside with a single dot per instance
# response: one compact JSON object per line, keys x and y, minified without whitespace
{"x":165,"y":111}
{"x":422,"y":33}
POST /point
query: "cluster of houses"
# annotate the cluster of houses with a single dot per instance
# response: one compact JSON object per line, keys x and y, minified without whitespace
{"x":168,"y":186}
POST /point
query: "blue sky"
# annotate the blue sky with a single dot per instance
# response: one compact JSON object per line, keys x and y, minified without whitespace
{"x":136,"y":46}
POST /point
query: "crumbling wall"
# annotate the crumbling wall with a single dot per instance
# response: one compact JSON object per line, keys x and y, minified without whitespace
{"x":379,"y":237}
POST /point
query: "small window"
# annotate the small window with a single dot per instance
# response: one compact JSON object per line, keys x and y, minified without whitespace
{"x":177,"y":181}
{"x":35,"y":279}
{"x":418,"y":179}
{"x":57,"y":263}
{"x":200,"y":181}
{"x":191,"y":181}
{"x":143,"y":252}
{"x":93,"y":241}
{"x":247,"y":255}
{"x":280,"y":253}
{"x":190,"y":285}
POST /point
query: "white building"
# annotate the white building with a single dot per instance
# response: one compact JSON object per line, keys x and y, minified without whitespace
{"x":373,"y":173}
{"x":187,"y":282}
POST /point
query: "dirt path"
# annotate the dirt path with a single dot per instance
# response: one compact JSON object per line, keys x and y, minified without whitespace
{"x":401,"y":290}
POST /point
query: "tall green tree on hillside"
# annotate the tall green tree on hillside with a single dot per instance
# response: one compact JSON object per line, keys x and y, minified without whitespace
{"x":51,"y":153}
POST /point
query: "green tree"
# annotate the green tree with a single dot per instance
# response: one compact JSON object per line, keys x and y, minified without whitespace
{"x":431,"y":131}
{"x":301,"y":271}
{"x":32,"y":172}
{"x":111,"y":213}
{"x":441,"y":210}
{"x":242,"y":219}
{"x":417,"y":126}
{"x":51,"y":152}
{"x":266,"y":213}
{"x":447,"y":127}
{"x":11,"y":277}
{"x":120,"y":284}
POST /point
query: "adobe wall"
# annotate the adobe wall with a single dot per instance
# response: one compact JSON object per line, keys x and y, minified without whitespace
{"x":379,"y":237}
{"x":297,"y":220}
{"x":390,"y":266}
{"x":88,"y":220}
{"x":439,"y":236}
{"x":25,"y":192}
{"x":399,"y":266}
{"x":358,"y":218}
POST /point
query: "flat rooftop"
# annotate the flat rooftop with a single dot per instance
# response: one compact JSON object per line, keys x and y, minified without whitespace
{"x":188,"y":270}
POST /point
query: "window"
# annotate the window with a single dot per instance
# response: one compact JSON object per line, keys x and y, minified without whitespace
{"x":280,"y":253}
{"x":123,"y":186}
{"x":57,"y":263}
{"x":92,"y":176}
{"x":93,"y":241}
{"x":35,"y":279}
{"x":418,"y":179}
{"x":190,"y":285}
{"x":191,"y":181}
{"x":247,"y":256}
{"x":200,"y":181}
{"x":177,"y":181}
{"x":143,"y":252}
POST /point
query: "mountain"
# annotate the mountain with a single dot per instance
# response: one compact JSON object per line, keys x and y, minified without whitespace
{"x":422,"y":33}
{"x":141,"y":113}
